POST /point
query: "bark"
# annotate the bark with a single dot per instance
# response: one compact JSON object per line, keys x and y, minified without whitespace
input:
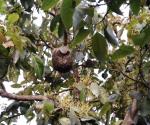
{"x":23,"y":97}
{"x":131,"y":114}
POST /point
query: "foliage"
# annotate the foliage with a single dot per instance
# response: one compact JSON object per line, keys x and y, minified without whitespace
{"x":108,"y":73}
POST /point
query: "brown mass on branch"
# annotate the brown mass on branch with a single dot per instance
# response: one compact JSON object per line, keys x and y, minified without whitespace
{"x":62,"y":59}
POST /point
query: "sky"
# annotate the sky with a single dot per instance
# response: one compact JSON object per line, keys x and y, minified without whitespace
{"x":4,"y":102}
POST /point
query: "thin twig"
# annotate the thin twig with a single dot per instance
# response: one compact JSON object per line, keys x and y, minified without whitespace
{"x":48,"y":46}
{"x":13,"y":116}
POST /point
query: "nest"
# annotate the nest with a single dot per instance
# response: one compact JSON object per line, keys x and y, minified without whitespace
{"x":62,"y":59}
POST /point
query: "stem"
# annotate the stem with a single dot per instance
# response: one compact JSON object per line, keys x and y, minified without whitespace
{"x":65,"y":38}
{"x":108,"y":117}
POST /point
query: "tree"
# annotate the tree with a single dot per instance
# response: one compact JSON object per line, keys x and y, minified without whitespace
{"x":59,"y":60}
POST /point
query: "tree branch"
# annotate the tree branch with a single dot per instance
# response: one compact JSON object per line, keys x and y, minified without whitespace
{"x":138,"y":81}
{"x":47,"y":45}
{"x":131,"y":114}
{"x":23,"y":97}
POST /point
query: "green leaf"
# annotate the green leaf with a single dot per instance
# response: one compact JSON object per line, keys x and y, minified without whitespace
{"x":17,"y":40}
{"x":12,"y":18}
{"x":123,"y":51}
{"x":135,"y":6}
{"x":47,"y":4}
{"x":29,"y":114}
{"x":77,"y":1}
{"x":61,"y":29}
{"x":48,"y":108}
{"x":99,"y":47}
{"x":16,"y":86}
{"x":38,"y":66}
{"x":105,"y":108}
{"x":13,"y":74}
{"x":104,"y":97}
{"x":2,"y":6}
{"x":82,"y":95}
{"x":142,"y":38}
{"x":66,"y":12}
{"x":82,"y":34}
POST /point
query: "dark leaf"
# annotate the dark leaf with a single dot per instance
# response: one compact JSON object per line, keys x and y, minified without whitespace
{"x":142,"y":38}
{"x":82,"y":34}
{"x":111,"y":38}
{"x":114,"y":5}
{"x":16,"y":86}
{"x":47,"y":4}
{"x":122,"y":52}
{"x":4,"y":63}
{"x":61,"y":29}
{"x":3,"y":51}
{"x":29,"y":113}
{"x":135,"y":6}
{"x":38,"y":66}
{"x":105,"y":108}
{"x":66,"y":13}
{"x":27,"y":4}
{"x":99,"y":46}
{"x":54,"y":22}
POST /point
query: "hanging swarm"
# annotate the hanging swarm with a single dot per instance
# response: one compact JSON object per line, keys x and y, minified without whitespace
{"x":62,"y":59}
